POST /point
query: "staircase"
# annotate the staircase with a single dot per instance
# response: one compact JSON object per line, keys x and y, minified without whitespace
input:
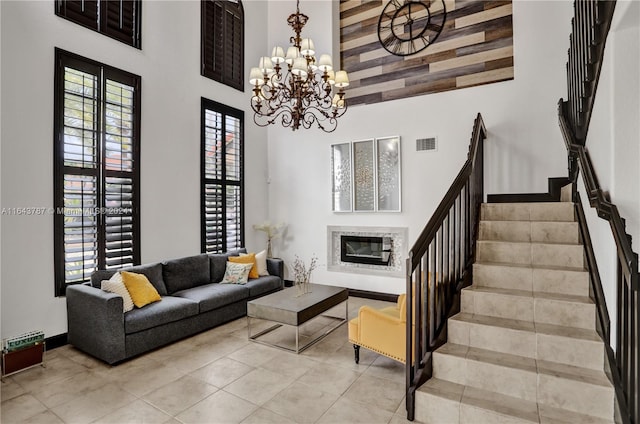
{"x":524,"y":348}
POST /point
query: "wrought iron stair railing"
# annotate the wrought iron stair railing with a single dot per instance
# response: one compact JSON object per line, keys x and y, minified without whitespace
{"x":625,"y":370}
{"x":439,"y":265}
{"x":590,"y":28}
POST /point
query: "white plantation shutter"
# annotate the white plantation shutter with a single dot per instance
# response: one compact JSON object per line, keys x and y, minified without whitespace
{"x":96,"y":160}
{"x":222,"y":178}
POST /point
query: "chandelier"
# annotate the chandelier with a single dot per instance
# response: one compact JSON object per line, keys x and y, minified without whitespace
{"x":297,"y":89}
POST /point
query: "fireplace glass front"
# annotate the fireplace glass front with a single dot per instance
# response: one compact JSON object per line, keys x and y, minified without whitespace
{"x":365,"y":250}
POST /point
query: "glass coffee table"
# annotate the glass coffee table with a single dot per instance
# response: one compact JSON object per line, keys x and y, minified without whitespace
{"x":307,"y":312}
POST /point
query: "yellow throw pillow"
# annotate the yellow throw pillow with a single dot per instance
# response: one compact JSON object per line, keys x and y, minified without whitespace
{"x":247,"y":259}
{"x":141,"y":290}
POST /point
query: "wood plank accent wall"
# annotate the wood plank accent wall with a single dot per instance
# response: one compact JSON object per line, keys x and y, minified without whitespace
{"x":475,"y":47}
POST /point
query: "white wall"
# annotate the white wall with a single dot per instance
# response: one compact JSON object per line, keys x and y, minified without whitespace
{"x":170,"y":129}
{"x":613,"y":142}
{"x":523,"y":150}
{"x":287,"y":171}
{"x":626,"y":115}
{"x":1,"y":203}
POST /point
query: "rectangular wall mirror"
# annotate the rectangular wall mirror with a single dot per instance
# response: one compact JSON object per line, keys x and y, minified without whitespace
{"x":341,"y":177}
{"x":366,"y":175}
{"x":388,"y":167}
{"x":363,"y":175}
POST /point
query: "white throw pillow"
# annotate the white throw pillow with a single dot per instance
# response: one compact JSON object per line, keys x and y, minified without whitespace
{"x":261,"y":262}
{"x":115,"y":285}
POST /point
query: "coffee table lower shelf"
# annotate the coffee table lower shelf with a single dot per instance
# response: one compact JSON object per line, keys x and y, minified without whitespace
{"x":284,"y":310}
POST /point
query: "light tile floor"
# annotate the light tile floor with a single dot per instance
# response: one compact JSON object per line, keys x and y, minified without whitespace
{"x":214,"y":377}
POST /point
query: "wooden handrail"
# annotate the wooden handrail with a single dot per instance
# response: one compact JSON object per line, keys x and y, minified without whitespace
{"x":590,"y":28}
{"x":579,"y":160}
{"x":439,"y":265}
{"x":625,"y":359}
{"x":447,"y":201}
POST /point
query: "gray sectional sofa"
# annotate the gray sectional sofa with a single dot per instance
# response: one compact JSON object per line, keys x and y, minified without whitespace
{"x":192,"y":301}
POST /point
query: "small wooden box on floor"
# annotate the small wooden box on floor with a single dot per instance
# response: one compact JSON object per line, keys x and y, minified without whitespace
{"x":22,"y":359}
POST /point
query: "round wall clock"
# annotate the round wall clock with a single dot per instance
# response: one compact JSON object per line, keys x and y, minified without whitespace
{"x":406,"y":27}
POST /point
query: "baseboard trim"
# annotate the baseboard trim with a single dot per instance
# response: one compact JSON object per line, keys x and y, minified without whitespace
{"x":54,"y":342}
{"x":387,"y":297}
{"x":555,"y":186}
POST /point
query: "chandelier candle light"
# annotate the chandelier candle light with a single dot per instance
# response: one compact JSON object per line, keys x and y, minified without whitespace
{"x":298,"y":89}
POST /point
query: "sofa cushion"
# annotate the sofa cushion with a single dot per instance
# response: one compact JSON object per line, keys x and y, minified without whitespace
{"x":275,"y":267}
{"x":214,"y":295}
{"x":153,"y":272}
{"x":169,"y":309}
{"x":263,"y":285}
{"x":237,"y":252}
{"x":218,"y":265}
{"x":99,"y":276}
{"x":185,"y":273}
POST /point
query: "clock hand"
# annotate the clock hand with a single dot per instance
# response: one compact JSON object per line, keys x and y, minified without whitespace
{"x":410,"y":22}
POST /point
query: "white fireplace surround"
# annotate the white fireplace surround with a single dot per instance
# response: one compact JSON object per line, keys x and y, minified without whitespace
{"x":399,"y":238}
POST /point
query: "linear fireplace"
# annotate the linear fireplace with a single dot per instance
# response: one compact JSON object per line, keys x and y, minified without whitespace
{"x":365,"y":249}
{"x":389,"y":252}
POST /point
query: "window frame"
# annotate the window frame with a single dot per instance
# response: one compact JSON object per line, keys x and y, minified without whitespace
{"x":100,"y":172}
{"x":226,"y":36}
{"x":224,"y":110}
{"x":100,"y":24}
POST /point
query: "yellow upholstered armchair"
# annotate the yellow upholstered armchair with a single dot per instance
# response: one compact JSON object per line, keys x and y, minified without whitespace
{"x":381,"y":330}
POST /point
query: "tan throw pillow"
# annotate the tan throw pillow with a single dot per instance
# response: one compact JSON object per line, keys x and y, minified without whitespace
{"x":249,"y":258}
{"x":236,"y":273}
{"x":141,"y":290}
{"x":115,"y":285}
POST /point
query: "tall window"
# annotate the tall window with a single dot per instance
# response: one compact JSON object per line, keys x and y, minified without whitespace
{"x":119,"y":19}
{"x":222,"y":41}
{"x":96,"y":168}
{"x":222,"y":181}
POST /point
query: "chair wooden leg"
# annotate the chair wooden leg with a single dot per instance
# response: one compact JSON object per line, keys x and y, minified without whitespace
{"x":356,"y":351}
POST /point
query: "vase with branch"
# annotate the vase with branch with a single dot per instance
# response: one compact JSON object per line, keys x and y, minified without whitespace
{"x":272,"y":231}
{"x":302,"y":274}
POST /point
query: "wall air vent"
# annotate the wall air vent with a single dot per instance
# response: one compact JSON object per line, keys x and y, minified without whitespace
{"x":426,"y":144}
